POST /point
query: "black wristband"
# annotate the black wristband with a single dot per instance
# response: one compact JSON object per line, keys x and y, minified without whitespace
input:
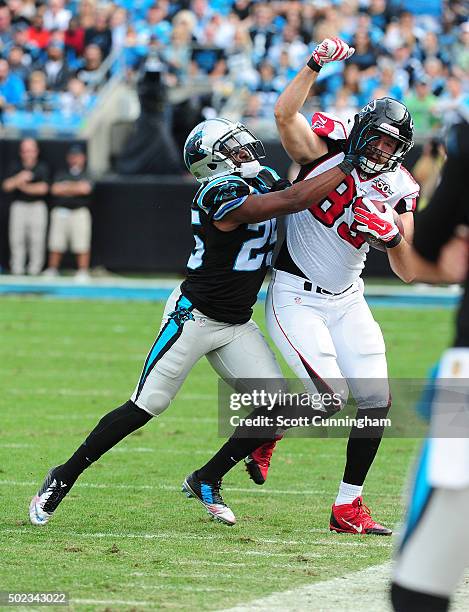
{"x":394,"y":242}
{"x":347,"y":164}
{"x":313,"y":65}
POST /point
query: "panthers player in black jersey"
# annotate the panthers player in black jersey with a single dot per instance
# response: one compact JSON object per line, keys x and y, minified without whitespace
{"x":434,"y":546}
{"x":233,"y":218}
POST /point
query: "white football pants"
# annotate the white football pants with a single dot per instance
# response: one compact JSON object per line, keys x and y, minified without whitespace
{"x":236,"y":352}
{"x":331,"y":342}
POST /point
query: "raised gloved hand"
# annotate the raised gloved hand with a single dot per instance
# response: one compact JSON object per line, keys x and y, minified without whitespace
{"x":330,"y":50}
{"x":380,"y":224}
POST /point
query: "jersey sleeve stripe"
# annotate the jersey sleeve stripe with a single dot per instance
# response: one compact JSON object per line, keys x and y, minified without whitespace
{"x":229,"y":206}
{"x":272,"y":172}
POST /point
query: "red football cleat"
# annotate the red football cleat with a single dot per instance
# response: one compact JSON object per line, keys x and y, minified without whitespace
{"x":258,"y":462}
{"x":355,"y":518}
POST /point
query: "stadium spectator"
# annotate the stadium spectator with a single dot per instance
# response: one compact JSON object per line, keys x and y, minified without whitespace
{"x":206,"y":58}
{"x":420,"y":104}
{"x":118,"y":26}
{"x":6,"y":37}
{"x":407,"y":67}
{"x":262,"y":31}
{"x":266,"y":88}
{"x":177,"y":55}
{"x":384,"y":79}
{"x":225,"y":28}
{"x":37,"y":34}
{"x":27,"y":183}
{"x":12,"y":89}
{"x":56,"y":16}
{"x":19,"y":63}
{"x":87,"y":13}
{"x":203,"y":13}
{"x":292,"y":42}
{"x":19,"y":14}
{"x":460,"y":52}
{"x":76,"y":100}
{"x":100,"y":34}
{"x":453,"y":106}
{"x":38,"y":99}
{"x":430,"y":47}
{"x":434,"y":71}
{"x":155,"y":24}
{"x":284,"y":70}
{"x":70,"y":219}
{"x":90,"y":73}
{"x":74,"y":37}
{"x":185,"y":19}
{"x":55,"y":67}
{"x":366,"y":54}
{"x":241,"y":9}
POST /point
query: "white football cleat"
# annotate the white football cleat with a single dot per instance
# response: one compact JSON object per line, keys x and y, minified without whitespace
{"x":49,"y":496}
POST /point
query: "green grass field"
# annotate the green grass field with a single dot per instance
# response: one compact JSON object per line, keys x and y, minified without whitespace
{"x":126,"y":537}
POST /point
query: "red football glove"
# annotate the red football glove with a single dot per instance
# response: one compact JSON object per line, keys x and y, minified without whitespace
{"x":379,"y":224}
{"x":331,"y":50}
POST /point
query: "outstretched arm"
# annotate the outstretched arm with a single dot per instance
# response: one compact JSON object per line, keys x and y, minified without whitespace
{"x":302,"y":195}
{"x":299,"y":141}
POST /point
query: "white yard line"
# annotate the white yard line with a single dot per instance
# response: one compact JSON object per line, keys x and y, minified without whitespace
{"x":170,"y":535}
{"x":175,"y":488}
{"x":365,"y":590}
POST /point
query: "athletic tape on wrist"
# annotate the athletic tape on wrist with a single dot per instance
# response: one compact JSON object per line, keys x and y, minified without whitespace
{"x":313,"y":65}
{"x":394,"y":242}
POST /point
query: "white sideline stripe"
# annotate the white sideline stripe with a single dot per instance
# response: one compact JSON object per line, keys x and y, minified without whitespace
{"x":365,"y":590}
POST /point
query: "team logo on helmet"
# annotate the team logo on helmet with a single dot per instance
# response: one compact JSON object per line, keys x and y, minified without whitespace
{"x":369,"y":107}
{"x":193,"y":152}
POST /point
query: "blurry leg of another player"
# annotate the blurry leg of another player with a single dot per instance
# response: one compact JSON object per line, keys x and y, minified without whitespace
{"x":434,"y":549}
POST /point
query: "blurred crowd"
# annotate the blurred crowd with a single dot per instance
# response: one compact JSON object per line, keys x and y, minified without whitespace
{"x":55,"y":54}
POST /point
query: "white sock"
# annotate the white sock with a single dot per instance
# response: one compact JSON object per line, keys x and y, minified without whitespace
{"x":347,"y":493}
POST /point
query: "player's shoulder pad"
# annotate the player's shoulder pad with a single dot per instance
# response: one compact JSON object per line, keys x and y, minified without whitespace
{"x":407,"y":185}
{"x":221,"y":195}
{"x":328,"y":126}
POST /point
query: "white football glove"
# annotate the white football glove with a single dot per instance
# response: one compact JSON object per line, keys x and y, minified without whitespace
{"x":331,"y":50}
{"x":372,"y":221}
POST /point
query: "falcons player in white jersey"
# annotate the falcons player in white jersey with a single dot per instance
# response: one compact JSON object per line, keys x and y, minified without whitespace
{"x":316,"y":312}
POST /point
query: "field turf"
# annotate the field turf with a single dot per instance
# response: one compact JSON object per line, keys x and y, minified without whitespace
{"x":126,"y":537}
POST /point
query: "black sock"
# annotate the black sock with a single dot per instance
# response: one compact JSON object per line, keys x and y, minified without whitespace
{"x":231,"y":453}
{"x":111,"y":429}
{"x":362,"y":446}
{"x":407,"y":600}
